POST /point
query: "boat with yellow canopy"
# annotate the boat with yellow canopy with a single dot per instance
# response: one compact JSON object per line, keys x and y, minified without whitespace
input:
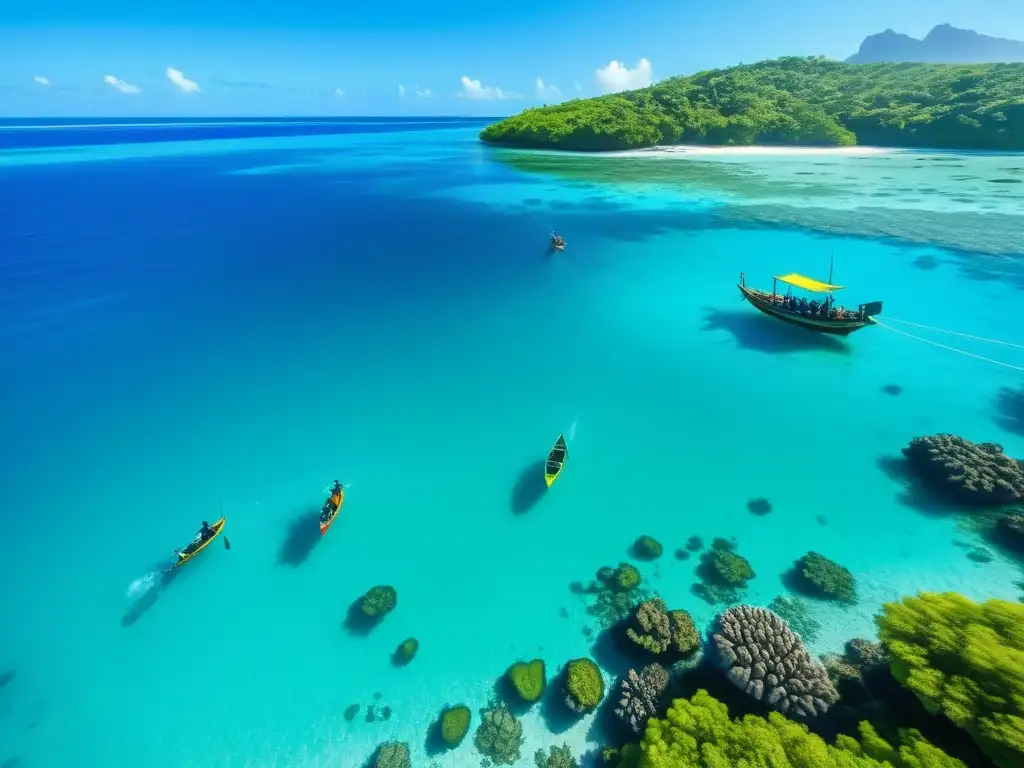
{"x":822,"y":316}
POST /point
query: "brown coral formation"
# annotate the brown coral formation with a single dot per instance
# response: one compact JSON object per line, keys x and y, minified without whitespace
{"x":658,"y":630}
{"x":640,"y":696}
{"x":975,"y":473}
{"x":767,"y":660}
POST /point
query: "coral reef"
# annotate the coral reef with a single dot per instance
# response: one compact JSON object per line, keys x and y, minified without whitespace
{"x":769,"y":661}
{"x":392,"y":754}
{"x":965,"y":660}
{"x":528,"y":678}
{"x":351,"y":711}
{"x":406,"y":651}
{"x":660,"y":631}
{"x":797,"y":614}
{"x":760,"y":506}
{"x":640,"y":696}
{"x":455,"y":724}
{"x":624,"y":578}
{"x":975,"y":473}
{"x":557,"y":757}
{"x":499,"y":736}
{"x":859,"y":657}
{"x":698,"y":733}
{"x":584,"y":686}
{"x":1009,"y":531}
{"x":378,"y":602}
{"x":723,"y":572}
{"x":682,"y":554}
{"x":818,"y":576}
{"x":616,"y":591}
{"x":647,"y":548}
{"x":694,"y":544}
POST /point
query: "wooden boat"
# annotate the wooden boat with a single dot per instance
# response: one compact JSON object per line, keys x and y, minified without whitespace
{"x":195,"y":547}
{"x":557,"y":243}
{"x":331,"y":508}
{"x":823,"y":317}
{"x":556,"y":460}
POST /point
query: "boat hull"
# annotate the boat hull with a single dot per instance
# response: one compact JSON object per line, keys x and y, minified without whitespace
{"x":217,"y":528}
{"x":556,"y":461}
{"x":324,"y":526}
{"x":819,"y":325}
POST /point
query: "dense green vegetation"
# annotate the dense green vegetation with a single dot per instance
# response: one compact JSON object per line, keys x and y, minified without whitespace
{"x":699,"y":733}
{"x":805,"y":101}
{"x":965,"y":660}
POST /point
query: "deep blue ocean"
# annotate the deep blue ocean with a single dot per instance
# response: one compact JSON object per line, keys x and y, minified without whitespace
{"x":199,"y":316}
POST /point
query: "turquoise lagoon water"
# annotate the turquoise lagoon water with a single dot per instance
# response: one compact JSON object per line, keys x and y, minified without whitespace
{"x":240,"y":320}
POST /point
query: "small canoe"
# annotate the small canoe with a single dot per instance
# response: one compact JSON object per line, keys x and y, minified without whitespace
{"x":556,"y":460}
{"x":194,"y":549}
{"x":331,"y":507}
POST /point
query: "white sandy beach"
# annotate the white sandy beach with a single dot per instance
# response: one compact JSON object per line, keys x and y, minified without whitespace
{"x":721,"y":151}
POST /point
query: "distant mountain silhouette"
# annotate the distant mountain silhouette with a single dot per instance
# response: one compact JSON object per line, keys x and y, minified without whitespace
{"x":943,"y":45}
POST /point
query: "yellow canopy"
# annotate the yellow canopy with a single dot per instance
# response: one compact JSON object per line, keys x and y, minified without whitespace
{"x":807,"y":283}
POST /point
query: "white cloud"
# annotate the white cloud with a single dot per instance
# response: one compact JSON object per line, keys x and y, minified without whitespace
{"x":41,"y":80}
{"x":578,"y":86}
{"x":618,"y":77}
{"x":473,"y":89}
{"x":547,"y":91}
{"x":121,"y":85}
{"x":177,"y":77}
{"x":424,"y":93}
{"x":339,"y":93}
{"x":401,"y":91}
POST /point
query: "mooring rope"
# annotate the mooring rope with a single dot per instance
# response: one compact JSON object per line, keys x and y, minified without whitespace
{"x":954,"y":333}
{"x":951,"y":349}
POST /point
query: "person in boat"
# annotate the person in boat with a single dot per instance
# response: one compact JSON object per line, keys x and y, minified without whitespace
{"x":329,"y":509}
{"x":557,"y":241}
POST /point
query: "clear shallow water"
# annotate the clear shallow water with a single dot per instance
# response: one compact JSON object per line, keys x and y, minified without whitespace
{"x":246,"y":319}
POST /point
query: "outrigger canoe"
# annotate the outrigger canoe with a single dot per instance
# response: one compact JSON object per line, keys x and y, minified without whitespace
{"x":194,"y":549}
{"x":556,"y":460}
{"x":333,"y":507}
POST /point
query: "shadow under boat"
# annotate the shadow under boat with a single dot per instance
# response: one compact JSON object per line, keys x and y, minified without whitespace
{"x":146,"y":601}
{"x":756,"y":334}
{"x":301,"y":537}
{"x":529,"y":488}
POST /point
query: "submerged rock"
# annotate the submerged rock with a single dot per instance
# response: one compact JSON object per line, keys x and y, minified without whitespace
{"x":974,"y":473}
{"x":392,"y":754}
{"x":499,"y":736}
{"x":584,"y":686}
{"x":647,"y":548}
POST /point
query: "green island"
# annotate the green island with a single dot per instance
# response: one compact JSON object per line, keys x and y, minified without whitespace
{"x":791,"y":101}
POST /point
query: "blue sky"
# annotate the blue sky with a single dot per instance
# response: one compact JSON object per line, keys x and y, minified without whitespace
{"x":327,"y":57}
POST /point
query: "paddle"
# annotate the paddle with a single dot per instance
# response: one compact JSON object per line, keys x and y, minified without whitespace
{"x":227,"y":541}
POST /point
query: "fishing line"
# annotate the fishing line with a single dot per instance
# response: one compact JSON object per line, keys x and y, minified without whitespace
{"x":951,"y":349}
{"x":953,"y":333}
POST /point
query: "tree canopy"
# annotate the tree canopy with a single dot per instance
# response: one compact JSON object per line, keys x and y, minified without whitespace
{"x":791,"y":101}
{"x":965,"y":660}
{"x":698,"y":733}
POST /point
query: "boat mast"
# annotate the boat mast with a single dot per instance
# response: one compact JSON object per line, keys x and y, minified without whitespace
{"x":831,"y":265}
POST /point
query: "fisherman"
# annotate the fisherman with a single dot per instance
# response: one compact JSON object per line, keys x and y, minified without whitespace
{"x":329,"y":508}
{"x":205,"y":532}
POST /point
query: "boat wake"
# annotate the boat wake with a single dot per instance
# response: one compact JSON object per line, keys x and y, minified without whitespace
{"x":327,"y":488}
{"x":143,"y":584}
